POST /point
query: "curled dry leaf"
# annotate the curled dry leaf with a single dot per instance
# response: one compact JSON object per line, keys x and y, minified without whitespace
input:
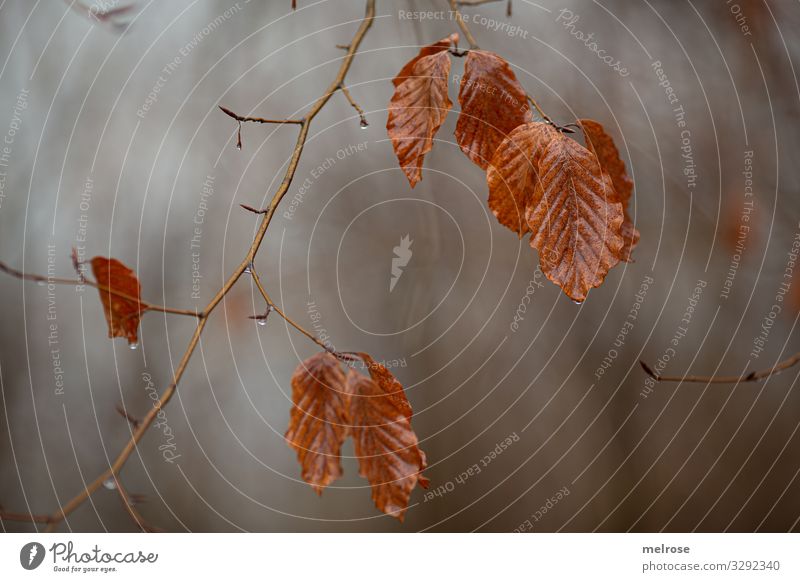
{"x":318,"y":421}
{"x":425,"y":51}
{"x":574,"y":218}
{"x":123,"y":305}
{"x":513,"y":173}
{"x":385,"y":444}
{"x":601,"y":144}
{"x":417,"y":110}
{"x":329,"y":406}
{"x":493,"y":104}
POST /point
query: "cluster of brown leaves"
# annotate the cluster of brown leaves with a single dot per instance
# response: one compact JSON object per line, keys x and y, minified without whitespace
{"x":571,"y":199}
{"x":331,"y":404}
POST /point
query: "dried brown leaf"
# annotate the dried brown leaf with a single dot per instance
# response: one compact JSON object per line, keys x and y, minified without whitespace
{"x":122,"y":313}
{"x":417,"y":110}
{"x":319,"y":420}
{"x":512,"y":174}
{"x":574,"y":217}
{"x":601,"y":144}
{"x":493,"y":104}
{"x":385,"y":444}
{"x":425,"y":51}
{"x":388,"y":383}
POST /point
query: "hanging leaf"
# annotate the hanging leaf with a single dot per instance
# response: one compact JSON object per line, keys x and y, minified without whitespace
{"x":432,"y":49}
{"x":329,"y":406}
{"x":493,"y":103}
{"x":385,"y":444}
{"x":318,"y":421}
{"x":574,"y":218}
{"x":512,"y":174}
{"x":601,"y":144}
{"x":417,"y":110}
{"x":121,"y":297}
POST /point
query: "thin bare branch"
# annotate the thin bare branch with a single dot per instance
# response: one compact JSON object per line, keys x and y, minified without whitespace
{"x":127,"y":502}
{"x":355,"y":105}
{"x":145,"y":423}
{"x":272,"y":307}
{"x":473,"y":44}
{"x":245,"y":118}
{"x":749,"y":377}
{"x":143,"y":306}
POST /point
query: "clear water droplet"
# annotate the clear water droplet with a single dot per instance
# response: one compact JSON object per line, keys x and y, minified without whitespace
{"x":364,"y":124}
{"x":578,"y":302}
{"x":40,"y":283}
{"x":133,"y":346}
{"x":262,"y":322}
{"x":249,"y":269}
{"x":110,"y":484}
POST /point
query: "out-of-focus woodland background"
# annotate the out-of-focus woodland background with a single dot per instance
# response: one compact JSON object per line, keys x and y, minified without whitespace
{"x":95,"y":163}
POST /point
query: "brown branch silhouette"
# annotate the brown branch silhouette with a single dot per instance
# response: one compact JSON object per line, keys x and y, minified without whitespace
{"x":202,"y":317}
{"x":754,"y":376}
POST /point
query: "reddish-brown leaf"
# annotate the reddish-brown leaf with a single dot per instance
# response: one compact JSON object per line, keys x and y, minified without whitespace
{"x":417,"y":110}
{"x":385,"y":444}
{"x":319,"y":420}
{"x":601,"y":144}
{"x":388,"y":383}
{"x":512,"y":174}
{"x":425,"y":51}
{"x":122,"y":311}
{"x":574,"y":217}
{"x":493,"y":104}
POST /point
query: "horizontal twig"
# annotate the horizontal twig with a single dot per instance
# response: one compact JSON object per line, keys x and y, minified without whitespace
{"x":749,"y":377}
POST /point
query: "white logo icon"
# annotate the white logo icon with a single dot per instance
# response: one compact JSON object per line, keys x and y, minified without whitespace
{"x":402,"y":254}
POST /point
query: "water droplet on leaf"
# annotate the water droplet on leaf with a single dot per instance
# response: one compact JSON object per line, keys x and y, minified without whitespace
{"x":110,"y":484}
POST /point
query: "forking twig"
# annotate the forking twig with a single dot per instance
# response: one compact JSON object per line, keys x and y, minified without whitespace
{"x":202,"y":317}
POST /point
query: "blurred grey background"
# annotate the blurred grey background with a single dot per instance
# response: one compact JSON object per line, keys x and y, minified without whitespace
{"x":114,"y":144}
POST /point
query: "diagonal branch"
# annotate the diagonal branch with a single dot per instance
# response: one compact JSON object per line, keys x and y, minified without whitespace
{"x":202,"y":317}
{"x":272,"y":307}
